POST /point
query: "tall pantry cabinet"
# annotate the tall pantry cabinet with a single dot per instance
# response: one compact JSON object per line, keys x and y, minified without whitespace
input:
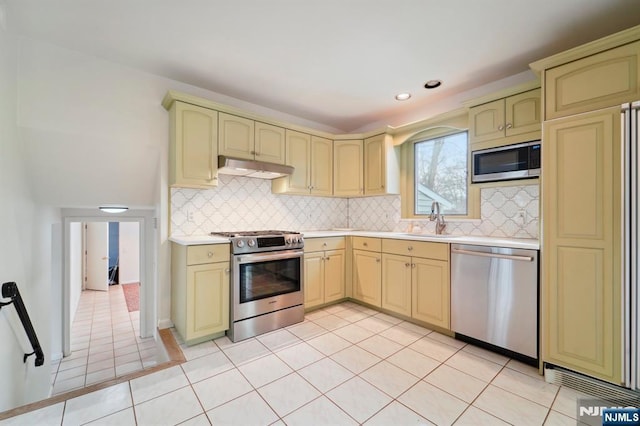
{"x":581,"y":202}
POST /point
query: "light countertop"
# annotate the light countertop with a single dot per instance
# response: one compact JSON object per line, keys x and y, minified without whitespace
{"x":520,"y":243}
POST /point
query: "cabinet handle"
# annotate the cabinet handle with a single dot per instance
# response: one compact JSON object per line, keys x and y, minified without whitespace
{"x":410,"y":248}
{"x":226,"y":270}
{"x":509,"y":125}
{"x":501,"y":127}
{"x":210,"y":254}
{"x":413,"y":265}
{"x":407,"y":265}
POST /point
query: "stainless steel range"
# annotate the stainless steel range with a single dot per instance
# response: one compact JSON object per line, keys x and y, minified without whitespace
{"x":267,"y":278}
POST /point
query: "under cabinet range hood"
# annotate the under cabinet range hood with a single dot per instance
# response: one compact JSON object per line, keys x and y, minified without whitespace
{"x":251,"y":168}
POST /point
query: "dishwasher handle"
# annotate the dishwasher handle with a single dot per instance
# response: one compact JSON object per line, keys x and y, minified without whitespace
{"x":496,"y":255}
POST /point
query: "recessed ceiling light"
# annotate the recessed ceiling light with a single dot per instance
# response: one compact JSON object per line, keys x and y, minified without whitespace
{"x":432,"y":84}
{"x":403,"y":96}
{"x":113,"y":209}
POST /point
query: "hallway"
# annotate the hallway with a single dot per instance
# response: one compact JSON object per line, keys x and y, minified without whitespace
{"x":105,"y":343}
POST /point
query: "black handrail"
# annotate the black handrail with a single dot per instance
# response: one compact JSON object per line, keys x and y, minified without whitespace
{"x":10,"y":290}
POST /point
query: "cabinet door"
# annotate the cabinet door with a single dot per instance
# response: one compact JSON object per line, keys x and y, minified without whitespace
{"x":334,"y":275}
{"x":581,"y":277}
{"x":347,"y":168}
{"x":367,"y":277}
{"x":236,"y":136}
{"x":396,"y":283}
{"x":523,"y":112}
{"x":486,"y":121}
{"x":313,"y":279}
{"x":299,"y":156}
{"x":269,"y":143}
{"x":194,"y":146}
{"x":603,"y":80}
{"x":207,"y":299}
{"x":431,"y":291}
{"x":321,"y":166}
{"x":374,"y":165}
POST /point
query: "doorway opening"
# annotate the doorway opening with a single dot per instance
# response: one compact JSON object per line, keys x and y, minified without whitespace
{"x":108,"y":299}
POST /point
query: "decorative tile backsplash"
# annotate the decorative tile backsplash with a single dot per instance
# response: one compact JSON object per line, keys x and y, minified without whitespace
{"x":240,"y":203}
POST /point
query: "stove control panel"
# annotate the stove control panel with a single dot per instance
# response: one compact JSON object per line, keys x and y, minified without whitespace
{"x":257,"y":244}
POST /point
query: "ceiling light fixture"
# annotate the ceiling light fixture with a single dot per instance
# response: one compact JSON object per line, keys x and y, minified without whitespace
{"x":403,"y":96}
{"x":113,"y":209}
{"x":432,"y":84}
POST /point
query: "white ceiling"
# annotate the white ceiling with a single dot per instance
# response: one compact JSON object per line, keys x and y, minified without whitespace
{"x":336,"y":62}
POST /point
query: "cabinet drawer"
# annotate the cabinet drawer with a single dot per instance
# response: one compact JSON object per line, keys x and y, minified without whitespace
{"x":367,"y":243}
{"x":606,"y":79}
{"x":208,"y":253}
{"x":424,"y":249}
{"x":322,"y":244}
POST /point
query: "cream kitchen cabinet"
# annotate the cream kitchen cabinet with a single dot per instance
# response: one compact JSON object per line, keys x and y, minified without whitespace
{"x":415,"y":280}
{"x":312,"y":159}
{"x":366,"y":167}
{"x":602,"y":80}
{"x":193,"y":149}
{"x":581,"y":252}
{"x":324,"y":271}
{"x":348,"y":164}
{"x":200,"y":291}
{"x":241,"y":137}
{"x":513,"y":119}
{"x":367,"y":270}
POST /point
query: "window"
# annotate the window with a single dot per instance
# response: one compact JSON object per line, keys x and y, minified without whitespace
{"x":440,"y":174}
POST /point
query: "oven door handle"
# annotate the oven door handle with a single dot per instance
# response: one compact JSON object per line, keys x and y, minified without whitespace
{"x":263,"y":257}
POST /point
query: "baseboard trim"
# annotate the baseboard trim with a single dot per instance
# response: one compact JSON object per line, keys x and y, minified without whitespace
{"x":165,"y":323}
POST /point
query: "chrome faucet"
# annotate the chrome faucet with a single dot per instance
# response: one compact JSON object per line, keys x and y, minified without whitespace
{"x":439,"y":218}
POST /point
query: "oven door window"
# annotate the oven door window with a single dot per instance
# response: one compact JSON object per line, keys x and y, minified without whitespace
{"x":259,"y":280}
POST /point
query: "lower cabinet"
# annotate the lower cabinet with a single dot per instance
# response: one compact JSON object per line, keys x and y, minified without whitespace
{"x":396,"y":283}
{"x":324,"y":271}
{"x":366,"y":282}
{"x":200,"y":291}
{"x":430,"y":291}
{"x":417,"y":287}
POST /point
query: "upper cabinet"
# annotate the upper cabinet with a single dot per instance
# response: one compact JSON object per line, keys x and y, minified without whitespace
{"x":508,"y":120}
{"x":312,"y":159}
{"x":348,"y":162}
{"x":193,"y":151}
{"x":241,"y":137}
{"x":365,"y":167}
{"x":606,"y":79}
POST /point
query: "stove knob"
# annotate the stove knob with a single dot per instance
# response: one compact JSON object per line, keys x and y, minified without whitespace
{"x":251,"y":243}
{"x":299,"y":240}
{"x":240,"y":243}
{"x":289,"y":240}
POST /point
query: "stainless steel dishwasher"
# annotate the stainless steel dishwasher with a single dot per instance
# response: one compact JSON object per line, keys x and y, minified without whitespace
{"x":494,"y":296}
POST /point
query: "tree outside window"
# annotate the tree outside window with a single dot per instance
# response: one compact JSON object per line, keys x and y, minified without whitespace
{"x":441,"y":174}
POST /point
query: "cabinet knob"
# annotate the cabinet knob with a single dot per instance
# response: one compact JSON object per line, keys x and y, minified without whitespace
{"x":253,"y":153}
{"x":324,"y":244}
{"x":210,"y":254}
{"x":378,"y":260}
{"x":509,"y":125}
{"x":407,"y":264}
{"x":365,"y":244}
{"x":226,"y":270}
{"x":328,"y":258}
{"x":413,"y":265}
{"x":410,"y":248}
{"x":501,"y":127}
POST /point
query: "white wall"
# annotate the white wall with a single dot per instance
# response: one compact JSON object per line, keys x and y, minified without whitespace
{"x":75,"y":266}
{"x":25,"y":250}
{"x":129,"y":253}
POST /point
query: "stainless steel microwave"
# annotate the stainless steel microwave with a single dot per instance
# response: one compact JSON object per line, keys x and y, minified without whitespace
{"x":519,"y":161}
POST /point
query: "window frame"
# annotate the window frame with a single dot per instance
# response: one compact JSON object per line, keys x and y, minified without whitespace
{"x":443,"y":128}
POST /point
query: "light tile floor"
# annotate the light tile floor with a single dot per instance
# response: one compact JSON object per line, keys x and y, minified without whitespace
{"x":105,"y":343}
{"x":344,"y":365}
